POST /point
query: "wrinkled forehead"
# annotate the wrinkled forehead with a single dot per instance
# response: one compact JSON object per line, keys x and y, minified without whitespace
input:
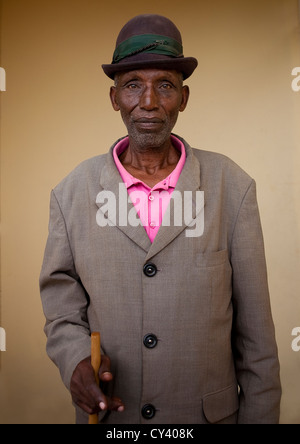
{"x":149,"y":74}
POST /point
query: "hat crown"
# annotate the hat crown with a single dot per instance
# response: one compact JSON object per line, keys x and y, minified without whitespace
{"x":149,"y":24}
{"x":150,"y":41}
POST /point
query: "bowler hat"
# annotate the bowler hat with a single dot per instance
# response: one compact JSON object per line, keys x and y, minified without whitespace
{"x":150,"y":41}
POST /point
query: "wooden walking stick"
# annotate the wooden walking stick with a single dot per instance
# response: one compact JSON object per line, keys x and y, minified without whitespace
{"x":96,"y":362}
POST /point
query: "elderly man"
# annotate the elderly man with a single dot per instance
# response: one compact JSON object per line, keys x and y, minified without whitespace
{"x":177,"y":288}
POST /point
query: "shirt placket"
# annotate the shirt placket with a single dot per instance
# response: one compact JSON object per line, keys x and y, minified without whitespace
{"x":156,"y":197}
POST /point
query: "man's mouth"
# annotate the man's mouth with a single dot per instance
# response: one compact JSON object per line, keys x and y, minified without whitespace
{"x":150,"y":123}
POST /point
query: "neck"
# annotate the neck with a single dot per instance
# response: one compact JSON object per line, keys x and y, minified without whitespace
{"x":151,"y":164}
{"x":150,"y":159}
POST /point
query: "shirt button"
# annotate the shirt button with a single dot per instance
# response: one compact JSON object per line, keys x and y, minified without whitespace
{"x":150,"y":270}
{"x":152,"y":225}
{"x":151,"y":197}
{"x":148,"y":411}
{"x":150,"y":341}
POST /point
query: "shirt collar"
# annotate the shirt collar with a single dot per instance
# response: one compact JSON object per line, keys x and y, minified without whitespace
{"x":129,"y":180}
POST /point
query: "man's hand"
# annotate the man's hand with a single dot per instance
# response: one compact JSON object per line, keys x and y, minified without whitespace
{"x":85,"y":391}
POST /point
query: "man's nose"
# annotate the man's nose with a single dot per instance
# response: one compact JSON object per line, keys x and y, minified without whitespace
{"x":149,"y":99}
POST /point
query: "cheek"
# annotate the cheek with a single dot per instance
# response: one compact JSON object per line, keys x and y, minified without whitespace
{"x":127,"y":101}
{"x":126,"y":109}
{"x":172,"y":106}
{"x":173,"y":114}
{"x":125,"y":114}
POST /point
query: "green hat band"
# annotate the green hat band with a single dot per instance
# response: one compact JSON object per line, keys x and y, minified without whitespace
{"x":155,"y":44}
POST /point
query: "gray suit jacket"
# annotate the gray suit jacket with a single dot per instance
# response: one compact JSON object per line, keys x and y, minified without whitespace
{"x":207,"y":307}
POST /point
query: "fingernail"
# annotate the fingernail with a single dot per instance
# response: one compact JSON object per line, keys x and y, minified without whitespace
{"x":121,"y":408}
{"x":102,"y":406}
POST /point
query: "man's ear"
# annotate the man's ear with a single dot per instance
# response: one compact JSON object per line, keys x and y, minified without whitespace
{"x":185,"y":97}
{"x":113,"y":98}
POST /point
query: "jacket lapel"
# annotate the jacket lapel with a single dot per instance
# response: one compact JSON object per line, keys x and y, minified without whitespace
{"x":111,"y":181}
{"x":187,"y":185}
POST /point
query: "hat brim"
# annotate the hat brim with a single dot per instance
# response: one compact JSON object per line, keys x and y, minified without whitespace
{"x":185,"y":65}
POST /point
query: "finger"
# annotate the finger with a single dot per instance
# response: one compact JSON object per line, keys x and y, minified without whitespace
{"x":84,"y":399}
{"x":105,"y":374}
{"x":106,"y":377}
{"x":115,"y":404}
{"x":105,"y":364}
{"x":98,"y":399}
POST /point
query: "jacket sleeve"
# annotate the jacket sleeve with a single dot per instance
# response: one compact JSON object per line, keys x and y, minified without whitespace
{"x":64,"y":299}
{"x":253,"y":338}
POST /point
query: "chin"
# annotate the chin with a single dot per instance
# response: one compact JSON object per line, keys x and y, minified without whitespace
{"x":150,"y":139}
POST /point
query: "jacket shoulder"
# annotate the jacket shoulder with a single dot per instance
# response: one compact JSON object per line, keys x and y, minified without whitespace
{"x":88,"y":170}
{"x":81,"y":184}
{"x":219,"y":161}
{"x":216,"y":166}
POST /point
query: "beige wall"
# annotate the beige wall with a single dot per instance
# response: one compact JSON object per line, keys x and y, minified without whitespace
{"x":56,"y":113}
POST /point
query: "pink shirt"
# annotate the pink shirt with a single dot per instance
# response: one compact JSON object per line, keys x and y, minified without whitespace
{"x":150,"y":203}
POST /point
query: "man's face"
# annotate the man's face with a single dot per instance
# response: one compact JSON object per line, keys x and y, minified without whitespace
{"x":149,"y":101}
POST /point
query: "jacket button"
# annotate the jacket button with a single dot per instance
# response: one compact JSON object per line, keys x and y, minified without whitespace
{"x":148,"y":411}
{"x":150,"y":341}
{"x":150,"y":270}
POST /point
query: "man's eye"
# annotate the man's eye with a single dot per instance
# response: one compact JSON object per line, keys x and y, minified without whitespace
{"x":132,"y":86}
{"x":166,"y":86}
